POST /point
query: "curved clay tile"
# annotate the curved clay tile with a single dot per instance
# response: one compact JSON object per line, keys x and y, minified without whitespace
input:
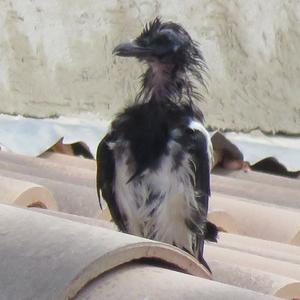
{"x":71,"y":198}
{"x":260,"y":220}
{"x":70,"y":160}
{"x":144,"y":282}
{"x":295,"y":240}
{"x":26,"y":194}
{"x":260,"y":177}
{"x":271,"y":249}
{"x":248,"y":278}
{"x":80,"y":219}
{"x":223,"y":220}
{"x":259,"y":191}
{"x":46,"y":257}
{"x":256,"y":280}
{"x":289,"y":291}
{"x":45,"y":168}
{"x":266,"y":264}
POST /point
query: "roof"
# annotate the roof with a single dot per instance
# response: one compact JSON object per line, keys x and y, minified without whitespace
{"x":58,"y":244}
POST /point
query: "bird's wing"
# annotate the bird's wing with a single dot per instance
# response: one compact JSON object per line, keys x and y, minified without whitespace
{"x":105,"y":180}
{"x":200,"y":149}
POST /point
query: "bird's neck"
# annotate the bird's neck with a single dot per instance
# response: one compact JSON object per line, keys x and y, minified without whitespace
{"x":165,"y":82}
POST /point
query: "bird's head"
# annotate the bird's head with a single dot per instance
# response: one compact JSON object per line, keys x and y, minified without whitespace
{"x":172,"y":56}
{"x":164,"y":43}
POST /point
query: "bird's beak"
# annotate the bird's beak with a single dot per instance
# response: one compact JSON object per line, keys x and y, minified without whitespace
{"x":131,"y":50}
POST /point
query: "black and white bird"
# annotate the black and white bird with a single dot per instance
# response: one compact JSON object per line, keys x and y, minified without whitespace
{"x":153,"y":167}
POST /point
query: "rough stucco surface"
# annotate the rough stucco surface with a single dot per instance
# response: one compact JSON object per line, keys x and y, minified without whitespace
{"x":55,"y":57}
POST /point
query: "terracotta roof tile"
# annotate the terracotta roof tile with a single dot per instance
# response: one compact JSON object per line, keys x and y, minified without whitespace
{"x":138,"y":281}
{"x":46,"y":257}
{"x":259,"y":210}
{"x":258,"y":219}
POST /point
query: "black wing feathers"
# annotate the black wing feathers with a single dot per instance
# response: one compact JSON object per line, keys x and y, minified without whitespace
{"x":197,"y":148}
{"x":105,"y":180}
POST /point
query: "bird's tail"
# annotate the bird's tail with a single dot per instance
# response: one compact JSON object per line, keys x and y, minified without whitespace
{"x":211,"y":232}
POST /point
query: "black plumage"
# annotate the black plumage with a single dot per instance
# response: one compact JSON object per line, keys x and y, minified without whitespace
{"x":153,"y":166}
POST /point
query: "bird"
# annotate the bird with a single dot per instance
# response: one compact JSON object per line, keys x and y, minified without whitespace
{"x":153,"y":165}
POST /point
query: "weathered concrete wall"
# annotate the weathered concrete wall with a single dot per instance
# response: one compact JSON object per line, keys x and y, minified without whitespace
{"x":55,"y":57}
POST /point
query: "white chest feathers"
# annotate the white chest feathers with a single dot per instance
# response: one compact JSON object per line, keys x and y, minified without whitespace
{"x":158,"y":203}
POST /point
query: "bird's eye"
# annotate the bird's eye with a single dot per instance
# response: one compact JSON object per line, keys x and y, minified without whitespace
{"x":143,"y":42}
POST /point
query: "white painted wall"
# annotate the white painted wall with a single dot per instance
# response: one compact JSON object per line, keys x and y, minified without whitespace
{"x":55,"y":57}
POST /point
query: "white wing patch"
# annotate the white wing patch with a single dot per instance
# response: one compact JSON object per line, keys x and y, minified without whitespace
{"x":196,"y":125}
